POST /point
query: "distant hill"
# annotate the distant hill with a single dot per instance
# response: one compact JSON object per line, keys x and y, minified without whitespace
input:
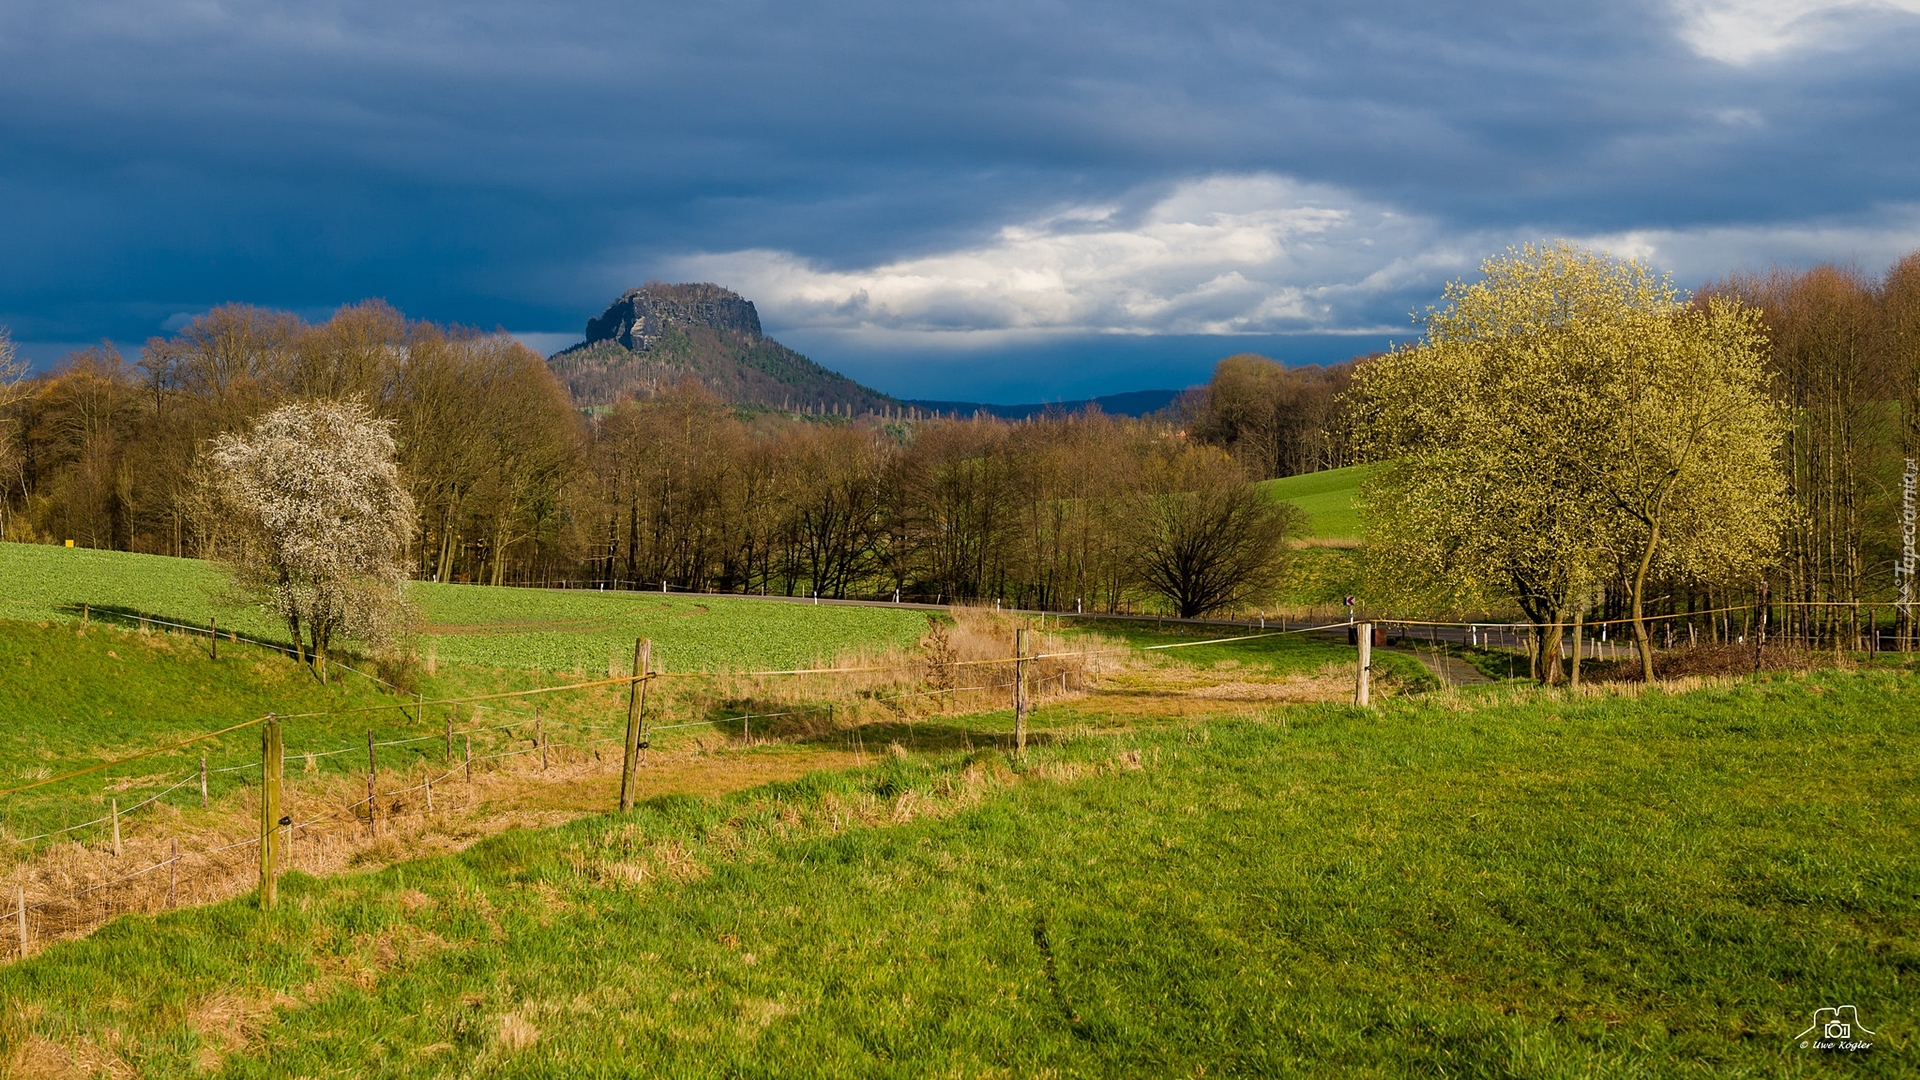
{"x":657,"y":334}
{"x":1133,"y":403}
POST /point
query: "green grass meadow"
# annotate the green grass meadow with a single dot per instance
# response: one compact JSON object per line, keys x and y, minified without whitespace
{"x":1500,"y":881}
{"x":1517,"y":885}
{"x":1328,"y":498}
{"x":1274,"y":654}
{"x":75,"y":694}
{"x":75,"y":697}
{"x":535,"y":629}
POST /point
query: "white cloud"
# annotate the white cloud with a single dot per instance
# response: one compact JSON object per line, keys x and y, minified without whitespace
{"x":1696,"y":256}
{"x":1225,"y":255}
{"x":1221,"y":255}
{"x":1743,"y":31}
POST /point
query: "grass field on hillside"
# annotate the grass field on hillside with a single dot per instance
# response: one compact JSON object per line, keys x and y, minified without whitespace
{"x":76,"y":696}
{"x":81,"y":694}
{"x":1516,"y":885}
{"x":1244,"y":651}
{"x":1327,"y":497}
{"x":583,"y":631}
{"x":538,"y":629}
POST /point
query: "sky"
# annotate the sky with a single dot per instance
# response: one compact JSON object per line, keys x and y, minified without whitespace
{"x":980,"y":201}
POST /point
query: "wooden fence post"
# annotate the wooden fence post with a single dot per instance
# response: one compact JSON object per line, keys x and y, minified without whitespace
{"x":1579,"y":625}
{"x":213,"y":634}
{"x":173,"y":874}
{"x":1020,"y":692}
{"x":373,"y":808}
{"x":1361,"y":688}
{"x":540,"y":735}
{"x":203,"y":780}
{"x":115,"y":805}
{"x":20,"y":907}
{"x":636,"y":708}
{"x":270,"y":750}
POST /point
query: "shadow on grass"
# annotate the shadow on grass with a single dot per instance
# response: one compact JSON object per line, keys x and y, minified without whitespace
{"x":369,"y":667}
{"x":134,"y":618}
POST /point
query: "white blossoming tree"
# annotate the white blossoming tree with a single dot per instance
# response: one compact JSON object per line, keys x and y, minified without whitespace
{"x":319,"y":521}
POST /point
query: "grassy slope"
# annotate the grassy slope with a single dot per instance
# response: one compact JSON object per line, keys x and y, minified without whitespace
{"x":510,"y":628}
{"x":1558,"y":888}
{"x":76,"y":696}
{"x":1288,"y":654}
{"x":1318,"y":577}
{"x":1327,"y":497}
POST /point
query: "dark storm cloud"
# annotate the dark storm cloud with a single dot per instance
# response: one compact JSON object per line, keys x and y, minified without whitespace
{"x":911,"y":181}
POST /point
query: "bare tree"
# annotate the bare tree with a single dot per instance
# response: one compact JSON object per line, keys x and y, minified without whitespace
{"x":1202,"y":536}
{"x":319,"y":519}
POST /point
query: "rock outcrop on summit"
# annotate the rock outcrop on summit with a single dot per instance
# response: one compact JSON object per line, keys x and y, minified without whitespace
{"x":658,"y":334}
{"x":640,"y":316}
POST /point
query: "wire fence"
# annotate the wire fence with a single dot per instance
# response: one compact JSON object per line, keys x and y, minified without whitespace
{"x":72,"y":904}
{"x":66,"y":905}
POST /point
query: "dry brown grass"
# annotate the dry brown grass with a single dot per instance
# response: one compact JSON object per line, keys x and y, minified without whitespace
{"x":62,"y":883}
{"x":40,"y":1059}
{"x":516,"y":1033}
{"x":1338,"y":543}
{"x":1722,"y":661}
{"x":953,"y":670}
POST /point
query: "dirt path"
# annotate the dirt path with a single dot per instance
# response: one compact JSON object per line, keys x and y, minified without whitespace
{"x":1450,"y":670}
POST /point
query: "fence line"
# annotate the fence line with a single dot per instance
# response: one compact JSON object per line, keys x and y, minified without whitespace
{"x":133,"y":757}
{"x":542,"y":744}
{"x":627,"y":680}
{"x":345,"y":813}
{"x":351,"y":809}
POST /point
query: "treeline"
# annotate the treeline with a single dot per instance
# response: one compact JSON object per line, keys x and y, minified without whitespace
{"x":1845,"y":362}
{"x":514,"y":485}
{"x":1277,"y":421}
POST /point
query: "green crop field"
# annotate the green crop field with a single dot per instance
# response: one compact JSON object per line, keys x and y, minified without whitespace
{"x":1243,"y":651}
{"x":1327,"y":497}
{"x":1516,"y":884}
{"x":537,"y":629}
{"x":582,"y":631}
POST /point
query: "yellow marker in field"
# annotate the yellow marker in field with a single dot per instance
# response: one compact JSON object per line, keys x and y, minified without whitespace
{"x":69,"y":543}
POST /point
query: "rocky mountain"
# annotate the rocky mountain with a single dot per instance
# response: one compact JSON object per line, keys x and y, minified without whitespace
{"x":657,"y":334}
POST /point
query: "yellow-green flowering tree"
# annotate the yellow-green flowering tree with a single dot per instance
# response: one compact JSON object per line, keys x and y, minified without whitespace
{"x":1563,"y":416}
{"x":1694,"y":474}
